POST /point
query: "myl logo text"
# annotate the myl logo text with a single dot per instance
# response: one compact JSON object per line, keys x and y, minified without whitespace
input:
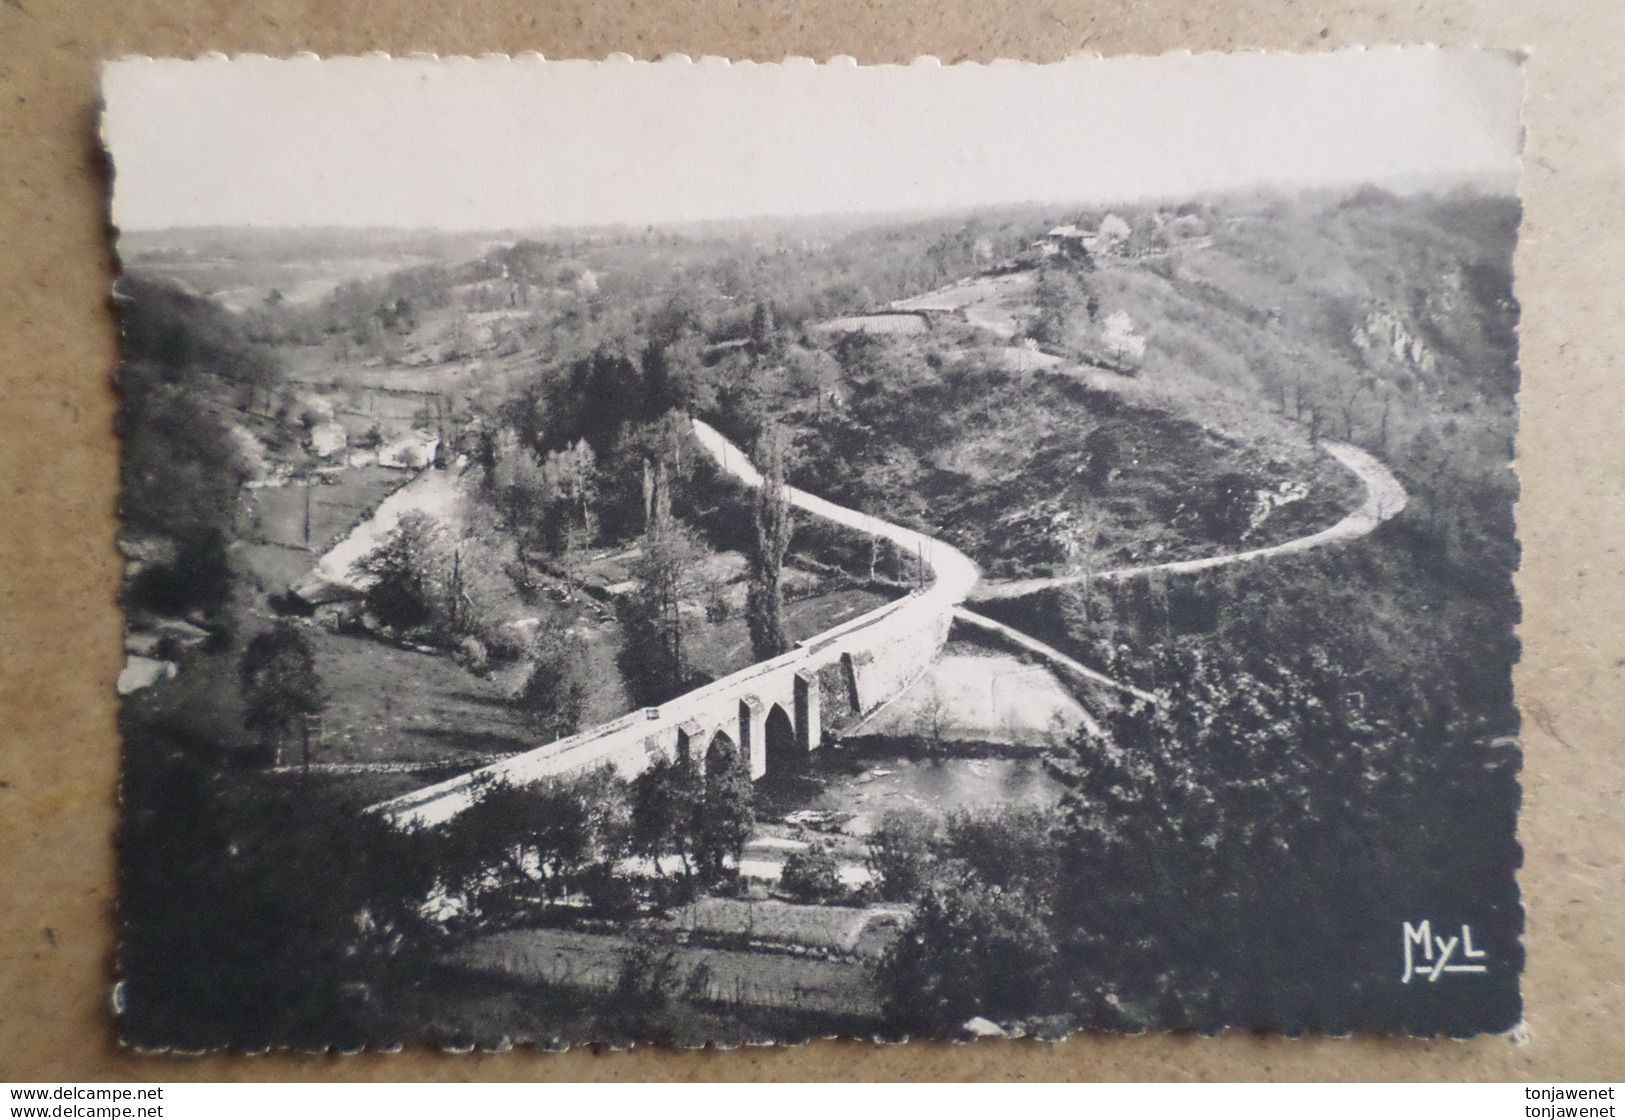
{"x":1427,"y":954}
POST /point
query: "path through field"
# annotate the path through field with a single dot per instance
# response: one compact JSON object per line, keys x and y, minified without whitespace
{"x":1050,"y":654}
{"x":434,"y":492}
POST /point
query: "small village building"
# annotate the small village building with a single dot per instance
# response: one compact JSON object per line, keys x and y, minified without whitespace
{"x":1067,"y":242}
{"x":411,"y":452}
{"x":328,"y":439}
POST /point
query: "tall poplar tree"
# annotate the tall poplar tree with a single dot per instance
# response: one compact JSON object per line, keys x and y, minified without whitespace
{"x":764,"y":598}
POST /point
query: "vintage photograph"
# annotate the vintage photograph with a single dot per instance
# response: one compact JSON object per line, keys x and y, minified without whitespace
{"x":712,"y":553}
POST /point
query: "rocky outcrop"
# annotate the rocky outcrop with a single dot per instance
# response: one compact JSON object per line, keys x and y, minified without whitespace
{"x":1267,"y":500}
{"x":1384,"y":334}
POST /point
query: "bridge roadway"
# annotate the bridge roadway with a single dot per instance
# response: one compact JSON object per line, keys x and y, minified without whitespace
{"x":778,"y":705}
{"x":953,"y":573}
{"x":774,"y":704}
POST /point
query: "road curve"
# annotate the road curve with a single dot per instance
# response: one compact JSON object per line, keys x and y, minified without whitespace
{"x":953,"y":573}
{"x":954,"y":577}
{"x":1384,"y":498}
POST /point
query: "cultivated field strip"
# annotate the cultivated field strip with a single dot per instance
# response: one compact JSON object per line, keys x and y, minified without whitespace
{"x":593,"y":962}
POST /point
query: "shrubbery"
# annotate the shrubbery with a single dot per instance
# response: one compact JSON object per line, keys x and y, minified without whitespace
{"x":901,"y":852}
{"x":812,"y":875}
{"x":971,"y":949}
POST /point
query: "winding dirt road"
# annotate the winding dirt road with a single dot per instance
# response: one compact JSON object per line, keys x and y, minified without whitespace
{"x":957,"y":579}
{"x":1385,"y":498}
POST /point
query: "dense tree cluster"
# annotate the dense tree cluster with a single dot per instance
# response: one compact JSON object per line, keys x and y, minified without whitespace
{"x":187,"y":369}
{"x":229,"y":940}
{"x":569,"y":837}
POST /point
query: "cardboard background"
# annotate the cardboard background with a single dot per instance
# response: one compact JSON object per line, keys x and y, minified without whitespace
{"x":60,"y":635}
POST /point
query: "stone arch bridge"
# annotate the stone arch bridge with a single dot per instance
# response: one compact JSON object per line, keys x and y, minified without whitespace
{"x":768,"y":712}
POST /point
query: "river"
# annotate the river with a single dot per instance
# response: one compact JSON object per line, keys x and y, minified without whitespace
{"x":868,"y":783}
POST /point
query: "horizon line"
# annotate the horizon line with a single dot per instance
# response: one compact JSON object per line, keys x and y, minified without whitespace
{"x":1496,"y":182}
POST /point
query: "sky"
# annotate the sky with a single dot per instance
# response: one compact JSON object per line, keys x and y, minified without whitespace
{"x":508,"y":144}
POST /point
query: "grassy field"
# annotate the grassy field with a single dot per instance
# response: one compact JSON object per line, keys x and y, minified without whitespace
{"x":394,"y":705}
{"x":277,"y":514}
{"x":722,"y":648}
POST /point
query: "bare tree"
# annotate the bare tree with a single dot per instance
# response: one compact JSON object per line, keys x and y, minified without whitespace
{"x":653,"y":653}
{"x":1350,"y":386}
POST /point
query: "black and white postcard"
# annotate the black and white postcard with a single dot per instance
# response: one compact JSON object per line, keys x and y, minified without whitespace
{"x":696,"y":552}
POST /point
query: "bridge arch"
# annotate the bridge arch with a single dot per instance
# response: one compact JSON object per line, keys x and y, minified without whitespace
{"x":722,"y":752}
{"x":781,"y":750}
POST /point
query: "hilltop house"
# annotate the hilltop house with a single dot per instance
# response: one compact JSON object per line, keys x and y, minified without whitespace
{"x":1068,"y":242}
